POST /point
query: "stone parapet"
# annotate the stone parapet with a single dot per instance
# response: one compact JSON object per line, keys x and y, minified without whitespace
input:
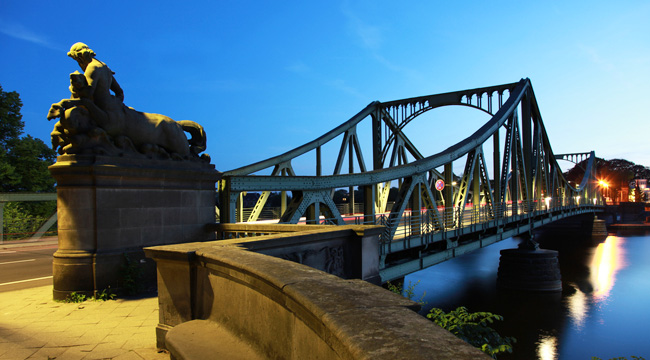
{"x":284,"y":310}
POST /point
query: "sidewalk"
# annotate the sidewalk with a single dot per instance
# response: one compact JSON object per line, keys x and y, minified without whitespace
{"x":33,"y":326}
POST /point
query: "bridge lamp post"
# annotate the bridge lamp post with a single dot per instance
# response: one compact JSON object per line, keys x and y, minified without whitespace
{"x":578,"y":200}
{"x":605,"y":188}
{"x":548,"y":202}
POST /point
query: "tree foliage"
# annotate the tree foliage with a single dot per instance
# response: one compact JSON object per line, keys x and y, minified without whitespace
{"x":23,"y":160}
{"x":23,"y":168}
{"x":616,"y":172}
{"x":473,"y":328}
{"x":11,"y":121}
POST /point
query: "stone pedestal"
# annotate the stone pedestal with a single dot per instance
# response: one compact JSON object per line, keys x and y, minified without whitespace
{"x":112,"y":207}
{"x":529,"y":269}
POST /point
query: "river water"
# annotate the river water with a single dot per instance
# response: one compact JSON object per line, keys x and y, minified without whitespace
{"x":603,"y":309}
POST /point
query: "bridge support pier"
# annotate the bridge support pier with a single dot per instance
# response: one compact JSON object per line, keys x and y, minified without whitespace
{"x":529,"y":268}
{"x":109,"y":208}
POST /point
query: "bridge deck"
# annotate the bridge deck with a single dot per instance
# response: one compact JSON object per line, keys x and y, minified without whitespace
{"x":409,"y":252}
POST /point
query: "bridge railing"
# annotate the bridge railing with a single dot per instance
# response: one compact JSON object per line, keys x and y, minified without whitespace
{"x":428,"y":221}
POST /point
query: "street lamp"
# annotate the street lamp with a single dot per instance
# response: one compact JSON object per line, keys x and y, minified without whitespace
{"x":605,"y":189}
{"x":548,"y":202}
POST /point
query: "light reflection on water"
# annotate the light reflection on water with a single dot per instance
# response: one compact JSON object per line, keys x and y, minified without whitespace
{"x":602,"y":310}
{"x":577,"y":306}
{"x":608,"y":259}
{"x":547,"y":348}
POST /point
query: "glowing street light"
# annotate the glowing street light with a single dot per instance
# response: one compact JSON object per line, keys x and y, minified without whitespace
{"x":548,"y":202}
{"x":605,"y":188}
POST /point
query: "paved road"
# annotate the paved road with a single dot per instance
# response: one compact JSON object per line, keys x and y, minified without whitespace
{"x":26,"y":267}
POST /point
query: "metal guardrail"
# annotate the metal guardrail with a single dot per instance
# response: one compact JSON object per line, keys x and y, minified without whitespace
{"x":19,"y":197}
{"x":446,"y":219}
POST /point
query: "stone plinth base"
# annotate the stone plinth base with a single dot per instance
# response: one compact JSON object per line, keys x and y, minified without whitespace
{"x":531,"y":270}
{"x":599,"y":229}
{"x":109,"y":208}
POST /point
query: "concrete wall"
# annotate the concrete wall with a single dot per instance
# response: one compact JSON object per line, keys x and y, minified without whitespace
{"x":349,"y":252}
{"x":285,"y":310}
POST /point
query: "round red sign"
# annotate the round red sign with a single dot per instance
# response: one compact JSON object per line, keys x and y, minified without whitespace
{"x":440,"y":185}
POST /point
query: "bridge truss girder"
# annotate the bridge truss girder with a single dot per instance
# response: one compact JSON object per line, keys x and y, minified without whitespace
{"x":525,"y":174}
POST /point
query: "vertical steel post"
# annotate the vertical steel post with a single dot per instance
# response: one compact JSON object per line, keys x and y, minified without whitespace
{"x":376,"y":140}
{"x":496,"y":158}
{"x":476,"y":188}
{"x":369,"y":199}
{"x":319,"y":165}
{"x":227,"y":201}
{"x":514,"y":178}
{"x":312,"y":214}
{"x":283,"y":196}
{"x":527,"y":150}
{"x":416,"y":207}
{"x":448,"y":195}
{"x":240,"y":207}
{"x":351,"y":169}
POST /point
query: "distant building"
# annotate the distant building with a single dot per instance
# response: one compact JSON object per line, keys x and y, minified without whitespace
{"x":626,"y":189}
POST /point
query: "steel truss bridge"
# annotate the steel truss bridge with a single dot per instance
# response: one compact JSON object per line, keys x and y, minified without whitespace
{"x":429,"y":220}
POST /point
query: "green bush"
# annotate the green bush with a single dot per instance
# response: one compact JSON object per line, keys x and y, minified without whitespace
{"x":408,"y":293}
{"x":473,"y":328}
{"x":22,"y":219}
{"x":75,"y":297}
{"x":104,"y":295}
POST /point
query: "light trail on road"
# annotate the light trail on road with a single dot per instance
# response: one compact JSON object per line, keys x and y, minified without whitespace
{"x":26,"y":280}
{"x":17,"y":261}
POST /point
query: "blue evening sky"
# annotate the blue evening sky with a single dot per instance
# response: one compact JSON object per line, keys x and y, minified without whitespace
{"x":263,"y":77}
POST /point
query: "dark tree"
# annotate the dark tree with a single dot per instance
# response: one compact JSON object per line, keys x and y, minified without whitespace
{"x":11,"y":123}
{"x":23,"y":160}
{"x":23,"y":168}
{"x":616,"y":172}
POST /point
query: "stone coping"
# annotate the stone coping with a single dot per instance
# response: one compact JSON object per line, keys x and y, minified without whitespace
{"x":284,"y":309}
{"x":284,"y":234}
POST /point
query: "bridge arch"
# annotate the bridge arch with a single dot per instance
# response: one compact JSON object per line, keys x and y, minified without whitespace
{"x":524,"y":176}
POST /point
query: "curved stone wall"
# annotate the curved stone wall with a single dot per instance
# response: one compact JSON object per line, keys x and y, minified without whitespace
{"x":285,"y":310}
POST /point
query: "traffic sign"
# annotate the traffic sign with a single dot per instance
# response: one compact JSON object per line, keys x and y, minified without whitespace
{"x":440,"y":184}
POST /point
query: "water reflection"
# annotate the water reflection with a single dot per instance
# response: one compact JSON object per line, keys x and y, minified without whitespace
{"x":602,"y":310}
{"x":607,"y":261}
{"x":608,"y":258}
{"x":547,"y":347}
{"x":577,"y":306}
